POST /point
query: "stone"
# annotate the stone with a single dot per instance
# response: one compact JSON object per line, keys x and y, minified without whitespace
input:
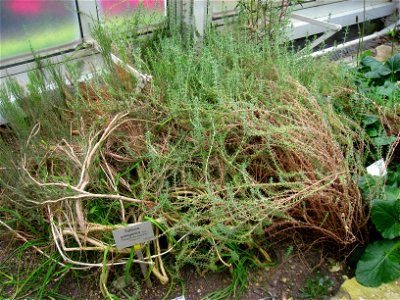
{"x":352,"y":290}
{"x":383,"y":52}
{"x":335,"y":268}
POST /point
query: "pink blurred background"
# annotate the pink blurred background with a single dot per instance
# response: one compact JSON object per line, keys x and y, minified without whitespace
{"x":34,"y":7}
{"x":108,"y":7}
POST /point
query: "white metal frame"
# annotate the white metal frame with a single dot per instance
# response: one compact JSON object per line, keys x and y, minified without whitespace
{"x":200,"y":16}
{"x":88,"y":12}
{"x":351,"y":12}
{"x":330,"y":28}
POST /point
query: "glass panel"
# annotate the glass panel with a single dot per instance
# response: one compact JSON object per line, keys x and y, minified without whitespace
{"x":148,"y":11}
{"x":219,"y":6}
{"x":36,"y":24}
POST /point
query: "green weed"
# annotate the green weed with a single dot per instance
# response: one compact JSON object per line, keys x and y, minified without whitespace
{"x":42,"y":279}
{"x":317,"y":287}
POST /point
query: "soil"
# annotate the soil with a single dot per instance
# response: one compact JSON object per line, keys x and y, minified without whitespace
{"x":296,"y":267}
{"x":286,"y":280}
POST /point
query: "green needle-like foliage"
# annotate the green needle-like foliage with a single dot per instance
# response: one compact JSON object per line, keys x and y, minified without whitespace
{"x":231,"y":143}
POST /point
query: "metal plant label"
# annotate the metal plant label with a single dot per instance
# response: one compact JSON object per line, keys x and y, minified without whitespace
{"x":133,"y":234}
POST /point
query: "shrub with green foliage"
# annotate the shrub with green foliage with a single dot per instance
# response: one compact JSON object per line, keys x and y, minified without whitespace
{"x":230,"y":144}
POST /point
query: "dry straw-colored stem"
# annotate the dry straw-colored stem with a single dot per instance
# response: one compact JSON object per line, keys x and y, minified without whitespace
{"x":84,"y":178}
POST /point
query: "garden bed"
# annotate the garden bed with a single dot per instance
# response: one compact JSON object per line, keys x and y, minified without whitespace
{"x":230,"y":149}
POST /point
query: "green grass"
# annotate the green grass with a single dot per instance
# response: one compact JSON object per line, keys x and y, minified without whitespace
{"x":38,"y":276}
{"x":37,"y":40}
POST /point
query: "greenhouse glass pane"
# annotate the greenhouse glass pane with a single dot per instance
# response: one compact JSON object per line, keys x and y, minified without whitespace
{"x":37,"y":25}
{"x":219,"y":6}
{"x":148,"y":11}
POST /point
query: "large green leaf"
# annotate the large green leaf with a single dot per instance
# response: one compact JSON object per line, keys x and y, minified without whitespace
{"x":386,"y":217}
{"x":366,"y":53}
{"x":372,"y":131}
{"x":392,"y":193}
{"x":383,"y":140}
{"x":387,"y":88}
{"x":378,"y":72}
{"x":371,"y":62}
{"x":394,"y":63}
{"x":394,"y":176}
{"x":370,"y":119}
{"x":370,"y":185}
{"x":379,"y":264}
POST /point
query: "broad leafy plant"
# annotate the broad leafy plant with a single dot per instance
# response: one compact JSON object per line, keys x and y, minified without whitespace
{"x":380,"y":262}
{"x":375,"y":130}
{"x":380,"y":78}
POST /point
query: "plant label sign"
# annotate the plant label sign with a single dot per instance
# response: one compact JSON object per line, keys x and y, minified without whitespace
{"x":378,"y":168}
{"x":133,"y":234}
